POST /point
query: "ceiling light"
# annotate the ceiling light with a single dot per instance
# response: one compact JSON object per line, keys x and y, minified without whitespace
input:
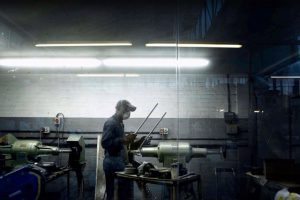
{"x":155,"y":62}
{"x":285,"y":77}
{"x":50,"y":62}
{"x":108,"y":62}
{"x":108,"y":75}
{"x":132,"y":75}
{"x":106,"y":44}
{"x":193,"y":45}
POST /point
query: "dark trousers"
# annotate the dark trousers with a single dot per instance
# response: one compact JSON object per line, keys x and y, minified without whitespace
{"x":110,"y":183}
{"x":125,"y":188}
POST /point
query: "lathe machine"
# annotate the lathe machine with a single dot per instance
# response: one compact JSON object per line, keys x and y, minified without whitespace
{"x":23,"y":172}
{"x":169,"y":152}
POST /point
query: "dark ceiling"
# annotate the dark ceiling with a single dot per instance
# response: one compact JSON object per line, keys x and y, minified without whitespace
{"x":258,"y":22}
{"x":137,"y":21}
{"x":244,"y":21}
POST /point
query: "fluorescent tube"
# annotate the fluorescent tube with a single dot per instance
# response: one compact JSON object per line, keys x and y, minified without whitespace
{"x":155,"y":62}
{"x":193,"y":45}
{"x":285,"y":77}
{"x":108,"y":75}
{"x":50,"y":62}
{"x":108,"y":44}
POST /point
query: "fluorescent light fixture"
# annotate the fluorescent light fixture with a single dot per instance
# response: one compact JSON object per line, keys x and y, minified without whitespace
{"x":50,"y":62}
{"x":107,"y":44}
{"x":221,"y":110}
{"x":108,"y":75}
{"x":155,"y":62}
{"x":256,"y":111}
{"x":285,"y":77}
{"x":193,"y":45}
{"x":100,"y":75}
{"x":108,"y":62}
{"x":132,"y":75}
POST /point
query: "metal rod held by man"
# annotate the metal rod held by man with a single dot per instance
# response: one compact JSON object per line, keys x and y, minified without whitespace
{"x":152,"y":130}
{"x":145,"y":119}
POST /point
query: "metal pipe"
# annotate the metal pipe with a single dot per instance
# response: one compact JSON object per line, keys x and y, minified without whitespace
{"x":228,"y":94}
{"x":145,"y":119}
{"x":199,"y":152}
{"x":168,"y":149}
{"x":147,"y":152}
{"x":64,"y":151}
{"x":152,"y":130}
{"x":290,"y":114}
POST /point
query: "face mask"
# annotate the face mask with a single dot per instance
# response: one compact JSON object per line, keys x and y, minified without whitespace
{"x":126,"y":115}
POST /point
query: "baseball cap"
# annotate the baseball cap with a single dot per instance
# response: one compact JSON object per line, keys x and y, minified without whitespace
{"x":126,"y":105}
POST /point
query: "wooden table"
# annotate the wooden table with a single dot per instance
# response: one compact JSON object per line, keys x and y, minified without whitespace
{"x":174,"y":184}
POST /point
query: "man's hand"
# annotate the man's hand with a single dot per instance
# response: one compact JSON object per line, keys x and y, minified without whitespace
{"x":129,"y":138}
{"x":135,"y":145}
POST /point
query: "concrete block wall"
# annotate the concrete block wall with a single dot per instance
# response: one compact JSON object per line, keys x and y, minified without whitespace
{"x":194,"y":103}
{"x":198,"y":96}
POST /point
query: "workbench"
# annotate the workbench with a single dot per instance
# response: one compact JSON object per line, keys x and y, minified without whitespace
{"x":173,"y":184}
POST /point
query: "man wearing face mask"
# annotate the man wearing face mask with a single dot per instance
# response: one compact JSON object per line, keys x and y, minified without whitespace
{"x":113,"y":141}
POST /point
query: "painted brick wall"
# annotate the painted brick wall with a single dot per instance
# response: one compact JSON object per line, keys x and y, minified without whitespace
{"x":197,"y":96}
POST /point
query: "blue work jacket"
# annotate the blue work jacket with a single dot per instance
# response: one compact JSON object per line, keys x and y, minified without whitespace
{"x":112,"y":142}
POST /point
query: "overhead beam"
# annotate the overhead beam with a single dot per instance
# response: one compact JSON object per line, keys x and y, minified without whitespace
{"x":280,"y":65}
{"x":209,"y":11}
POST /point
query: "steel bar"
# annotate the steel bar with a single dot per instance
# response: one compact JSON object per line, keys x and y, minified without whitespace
{"x":145,"y":119}
{"x":153,"y":129}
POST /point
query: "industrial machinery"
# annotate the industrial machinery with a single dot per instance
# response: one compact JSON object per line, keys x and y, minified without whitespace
{"x":174,"y":155}
{"x":23,"y":173}
{"x":169,"y":152}
{"x":19,"y":152}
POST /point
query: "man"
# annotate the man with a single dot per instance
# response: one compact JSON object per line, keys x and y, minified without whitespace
{"x":113,"y":141}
